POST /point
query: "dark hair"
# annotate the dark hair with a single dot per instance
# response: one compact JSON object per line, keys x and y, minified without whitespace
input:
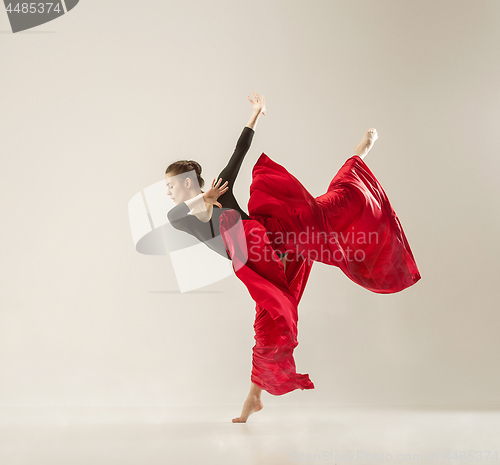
{"x":184,"y":166}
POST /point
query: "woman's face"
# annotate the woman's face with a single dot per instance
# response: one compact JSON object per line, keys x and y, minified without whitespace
{"x":178,"y":189}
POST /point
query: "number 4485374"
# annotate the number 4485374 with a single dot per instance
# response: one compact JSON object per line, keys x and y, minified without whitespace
{"x":34,"y":7}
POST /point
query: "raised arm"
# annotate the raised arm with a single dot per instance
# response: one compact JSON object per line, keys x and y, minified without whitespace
{"x":201,"y":205}
{"x":232,"y":169}
{"x":233,"y":166}
{"x":259,"y":106}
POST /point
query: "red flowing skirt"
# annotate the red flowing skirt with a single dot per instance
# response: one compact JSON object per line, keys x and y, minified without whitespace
{"x":352,"y":226}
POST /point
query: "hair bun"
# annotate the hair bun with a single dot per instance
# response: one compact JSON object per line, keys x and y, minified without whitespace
{"x":184,"y":166}
{"x":196,"y":166}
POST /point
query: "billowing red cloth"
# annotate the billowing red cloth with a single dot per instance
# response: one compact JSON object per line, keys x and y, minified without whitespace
{"x":352,"y":226}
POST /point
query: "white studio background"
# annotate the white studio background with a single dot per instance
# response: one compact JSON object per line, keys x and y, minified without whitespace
{"x":96,"y":104}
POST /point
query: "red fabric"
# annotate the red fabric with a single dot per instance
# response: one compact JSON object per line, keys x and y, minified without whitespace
{"x":333,"y":228}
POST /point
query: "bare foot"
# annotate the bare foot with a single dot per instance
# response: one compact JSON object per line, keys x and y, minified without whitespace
{"x":366,"y":143}
{"x":251,"y":405}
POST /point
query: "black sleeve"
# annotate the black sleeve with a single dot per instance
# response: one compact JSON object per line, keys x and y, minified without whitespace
{"x":232,"y":169}
{"x":178,"y":218}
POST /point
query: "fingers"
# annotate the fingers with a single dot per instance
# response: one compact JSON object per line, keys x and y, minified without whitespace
{"x":220,"y":179}
{"x":261,"y":102}
{"x":222,"y":188}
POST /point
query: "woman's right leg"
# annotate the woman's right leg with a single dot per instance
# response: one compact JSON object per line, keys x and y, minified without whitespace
{"x":366,"y":143}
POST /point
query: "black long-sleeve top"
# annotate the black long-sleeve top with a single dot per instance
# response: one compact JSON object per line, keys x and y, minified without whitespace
{"x":209,"y":232}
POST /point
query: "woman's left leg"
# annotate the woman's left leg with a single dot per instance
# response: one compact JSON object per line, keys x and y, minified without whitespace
{"x":252,"y":404}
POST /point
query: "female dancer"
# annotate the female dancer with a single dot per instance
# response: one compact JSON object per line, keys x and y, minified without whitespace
{"x":352,"y":226}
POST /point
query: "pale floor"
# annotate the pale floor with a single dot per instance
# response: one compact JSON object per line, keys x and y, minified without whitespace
{"x":276,"y":435}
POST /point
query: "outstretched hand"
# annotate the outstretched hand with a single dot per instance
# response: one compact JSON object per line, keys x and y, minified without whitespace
{"x":212,"y":194}
{"x":258,"y":104}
